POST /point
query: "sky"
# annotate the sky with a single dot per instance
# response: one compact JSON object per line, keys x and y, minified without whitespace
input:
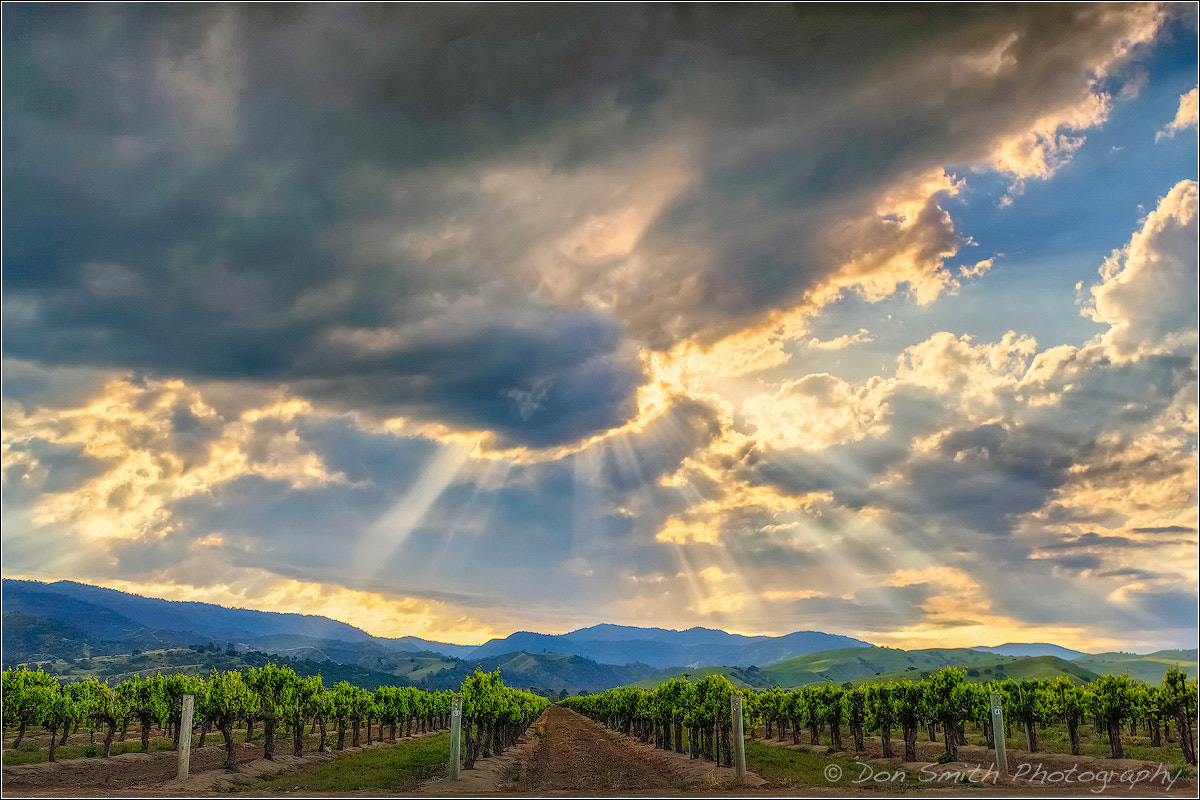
{"x":457,"y":320}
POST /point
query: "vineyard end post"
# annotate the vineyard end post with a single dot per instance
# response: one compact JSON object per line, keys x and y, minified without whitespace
{"x":185,"y":736}
{"x":455,"y":736}
{"x":998,"y":736}
{"x":739,"y":743}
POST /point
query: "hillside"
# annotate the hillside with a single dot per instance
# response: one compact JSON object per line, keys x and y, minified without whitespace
{"x":1033,"y":649}
{"x":77,"y":630}
{"x":657,"y":647}
{"x":108,"y":621}
{"x":1149,"y":668}
{"x":857,"y":665}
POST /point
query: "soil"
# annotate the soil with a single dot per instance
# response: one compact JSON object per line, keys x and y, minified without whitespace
{"x":154,"y":774}
{"x":566,"y":754}
{"x":126,"y":774}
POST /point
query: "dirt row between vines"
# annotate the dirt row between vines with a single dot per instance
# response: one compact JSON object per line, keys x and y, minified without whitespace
{"x":566,"y":754}
{"x":154,"y":774}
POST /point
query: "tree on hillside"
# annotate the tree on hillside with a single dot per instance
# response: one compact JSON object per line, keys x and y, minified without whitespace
{"x":832,"y":704}
{"x":943,"y":701}
{"x":882,"y":714}
{"x":58,"y":709}
{"x":1028,"y":703}
{"x":1178,"y":698}
{"x":146,"y":701}
{"x":22,"y":688}
{"x":229,"y":699}
{"x":906,"y":702}
{"x":274,"y":688}
{"x":175,"y":687}
{"x":856,"y":715}
{"x":1067,"y":703}
{"x":1111,"y":699}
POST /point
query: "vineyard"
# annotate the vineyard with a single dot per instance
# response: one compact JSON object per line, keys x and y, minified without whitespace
{"x":945,"y":701}
{"x":685,"y":719}
{"x":493,"y":715}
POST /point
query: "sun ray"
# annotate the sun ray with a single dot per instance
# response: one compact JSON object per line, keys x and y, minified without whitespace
{"x":387,"y":535}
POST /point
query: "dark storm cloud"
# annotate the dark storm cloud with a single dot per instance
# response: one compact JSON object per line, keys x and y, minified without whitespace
{"x":36,"y":466}
{"x":1166,"y":529}
{"x":215,"y":192}
{"x":878,"y":608}
{"x":1168,"y":608}
{"x":30,"y":385}
{"x":1092,"y":539}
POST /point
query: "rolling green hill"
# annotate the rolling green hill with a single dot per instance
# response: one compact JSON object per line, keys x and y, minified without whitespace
{"x":741,"y":677}
{"x":856,"y":664}
{"x":870,"y":664}
{"x":1018,"y":668}
{"x":1149,"y":668}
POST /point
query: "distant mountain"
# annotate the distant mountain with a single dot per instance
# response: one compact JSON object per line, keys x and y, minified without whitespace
{"x":1032,"y":649}
{"x":662,"y":648}
{"x":109,"y":616}
{"x":45,"y":621}
{"x":110,"y":621}
{"x":39,"y":624}
{"x":203,"y":619}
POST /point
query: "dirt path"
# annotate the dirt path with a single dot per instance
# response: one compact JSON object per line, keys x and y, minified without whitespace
{"x":576,"y":754}
{"x":564,"y":753}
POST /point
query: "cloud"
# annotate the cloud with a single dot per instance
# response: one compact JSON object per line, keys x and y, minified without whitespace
{"x":346,"y":306}
{"x":844,"y":340}
{"x":1139,"y":297}
{"x":813,"y":413}
{"x":1188,"y":115}
{"x":326,"y":228}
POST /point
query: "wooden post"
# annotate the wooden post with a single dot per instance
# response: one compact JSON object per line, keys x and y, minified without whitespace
{"x":455,"y":736}
{"x":998,"y":736}
{"x":185,"y":736}
{"x":739,"y":742}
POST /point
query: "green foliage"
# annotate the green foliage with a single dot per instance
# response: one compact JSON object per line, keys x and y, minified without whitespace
{"x":23,"y":690}
{"x":1177,"y":695}
{"x":275,"y":688}
{"x":1112,"y":698}
{"x":228,"y":697}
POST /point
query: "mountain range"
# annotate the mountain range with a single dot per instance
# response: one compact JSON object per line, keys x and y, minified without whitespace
{"x":110,"y":621}
{"x":73,"y":621}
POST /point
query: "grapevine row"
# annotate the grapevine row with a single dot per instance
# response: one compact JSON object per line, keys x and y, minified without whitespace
{"x":494,"y":715}
{"x":945,"y":700}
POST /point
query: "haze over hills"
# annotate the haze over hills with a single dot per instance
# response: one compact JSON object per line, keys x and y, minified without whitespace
{"x":126,"y":617}
{"x":107,"y":620}
{"x":66,"y":621}
{"x":1032,"y":649}
{"x":695,"y":647}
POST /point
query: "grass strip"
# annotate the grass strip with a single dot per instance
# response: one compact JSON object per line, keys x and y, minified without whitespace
{"x":798,"y":767}
{"x":399,"y":767}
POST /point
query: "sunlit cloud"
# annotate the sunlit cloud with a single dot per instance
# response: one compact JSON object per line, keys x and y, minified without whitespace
{"x":1188,"y":115}
{"x":753,"y":317}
